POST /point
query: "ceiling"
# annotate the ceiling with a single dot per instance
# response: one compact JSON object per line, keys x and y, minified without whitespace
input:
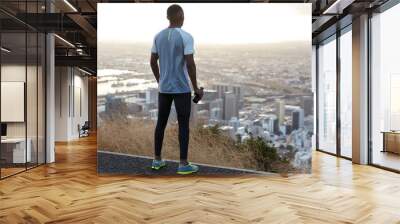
{"x":332,"y":15}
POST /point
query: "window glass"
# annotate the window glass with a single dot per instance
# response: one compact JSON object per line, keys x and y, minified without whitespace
{"x":385,"y":87}
{"x":327,"y":96}
{"x":346,"y":94}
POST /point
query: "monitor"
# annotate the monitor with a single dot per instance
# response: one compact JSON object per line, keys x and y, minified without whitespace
{"x":3,"y":129}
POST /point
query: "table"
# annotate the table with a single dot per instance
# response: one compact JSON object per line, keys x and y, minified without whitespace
{"x":16,"y":147}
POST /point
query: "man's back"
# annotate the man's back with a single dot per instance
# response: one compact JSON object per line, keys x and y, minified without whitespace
{"x":171,"y":45}
{"x":172,"y":64}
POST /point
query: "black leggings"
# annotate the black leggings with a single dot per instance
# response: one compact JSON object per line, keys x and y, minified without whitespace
{"x":182,"y":105}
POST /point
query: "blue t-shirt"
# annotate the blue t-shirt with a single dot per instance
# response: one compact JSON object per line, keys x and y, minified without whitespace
{"x":171,"y":45}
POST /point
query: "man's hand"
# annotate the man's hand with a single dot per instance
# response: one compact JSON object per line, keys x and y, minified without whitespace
{"x":199,"y":92}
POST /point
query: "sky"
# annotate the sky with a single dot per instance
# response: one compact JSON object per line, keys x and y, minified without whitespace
{"x":234,"y":23}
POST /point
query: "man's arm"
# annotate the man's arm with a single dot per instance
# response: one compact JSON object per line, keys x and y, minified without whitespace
{"x":191,"y":68}
{"x":154,"y":66}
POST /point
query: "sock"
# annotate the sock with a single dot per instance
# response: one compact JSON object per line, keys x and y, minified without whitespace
{"x":181,"y":164}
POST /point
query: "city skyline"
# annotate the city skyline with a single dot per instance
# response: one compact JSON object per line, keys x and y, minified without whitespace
{"x":269,"y":99}
{"x":223,"y":106}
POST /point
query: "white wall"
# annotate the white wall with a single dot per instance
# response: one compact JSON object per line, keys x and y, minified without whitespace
{"x":33,"y":126}
{"x":70,"y":83}
{"x":81,"y":89}
{"x":12,"y":73}
{"x":62,"y":81}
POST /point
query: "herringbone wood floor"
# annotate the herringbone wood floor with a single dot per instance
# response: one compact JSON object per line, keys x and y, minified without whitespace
{"x":70,"y":191}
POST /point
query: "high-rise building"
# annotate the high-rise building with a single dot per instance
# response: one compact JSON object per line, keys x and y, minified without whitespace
{"x":297,"y":119}
{"x":234,"y":122}
{"x":276,"y":127}
{"x":288,"y":129}
{"x":153,"y":114}
{"x":307,"y":103}
{"x":268,"y":123}
{"x":230,"y":106}
{"x":237,"y":90}
{"x":280,"y":111}
{"x":221,"y":90}
{"x":210,"y":95}
{"x":193,"y":112}
{"x":216,"y":109}
{"x":216,"y":114}
{"x":152,"y":96}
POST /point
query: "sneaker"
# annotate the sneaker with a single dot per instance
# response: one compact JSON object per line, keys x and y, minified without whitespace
{"x":188,"y":169}
{"x":158,"y":164}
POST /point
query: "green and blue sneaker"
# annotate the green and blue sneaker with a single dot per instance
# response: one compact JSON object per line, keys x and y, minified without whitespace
{"x":158,"y":164}
{"x":188,"y":169}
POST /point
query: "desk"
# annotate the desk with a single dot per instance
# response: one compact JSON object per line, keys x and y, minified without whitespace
{"x":16,"y":147}
{"x":391,"y":141}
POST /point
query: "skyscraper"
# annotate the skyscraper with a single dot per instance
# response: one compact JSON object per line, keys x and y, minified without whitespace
{"x":153,"y":114}
{"x":276,"y":127}
{"x":280,"y":111}
{"x":210,"y":94}
{"x":234,"y":122}
{"x":297,"y":119}
{"x":216,"y":109}
{"x":193,"y":112}
{"x":268,"y":124}
{"x":216,"y":114}
{"x":230,"y":106}
{"x":289,"y":129}
{"x":307,"y":103}
{"x":152,"y":96}
{"x":237,"y":90}
{"x":221,"y":89}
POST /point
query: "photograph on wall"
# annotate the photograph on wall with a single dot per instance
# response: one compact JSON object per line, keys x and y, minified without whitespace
{"x":206,"y":88}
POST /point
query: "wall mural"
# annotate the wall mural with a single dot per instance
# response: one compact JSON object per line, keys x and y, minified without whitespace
{"x":254,"y":63}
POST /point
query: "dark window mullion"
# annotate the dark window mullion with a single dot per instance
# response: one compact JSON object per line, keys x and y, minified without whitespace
{"x":26,"y":87}
{"x":317,"y":96}
{"x":338,"y":82}
{"x":37,"y":90}
{"x":369,"y":89}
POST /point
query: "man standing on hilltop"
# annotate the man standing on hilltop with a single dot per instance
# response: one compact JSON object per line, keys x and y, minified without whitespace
{"x":173,"y":48}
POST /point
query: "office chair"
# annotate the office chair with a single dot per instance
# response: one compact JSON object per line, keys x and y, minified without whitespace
{"x":84,"y":130}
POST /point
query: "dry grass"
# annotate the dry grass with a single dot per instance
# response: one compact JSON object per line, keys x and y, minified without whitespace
{"x":136,"y":137}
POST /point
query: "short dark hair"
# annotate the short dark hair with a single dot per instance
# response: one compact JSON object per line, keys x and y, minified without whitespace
{"x":173,"y":11}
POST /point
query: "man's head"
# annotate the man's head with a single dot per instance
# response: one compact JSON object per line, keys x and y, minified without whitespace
{"x":175,"y":15}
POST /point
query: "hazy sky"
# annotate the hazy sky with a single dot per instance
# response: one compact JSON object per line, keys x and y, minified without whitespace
{"x":208,"y":23}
